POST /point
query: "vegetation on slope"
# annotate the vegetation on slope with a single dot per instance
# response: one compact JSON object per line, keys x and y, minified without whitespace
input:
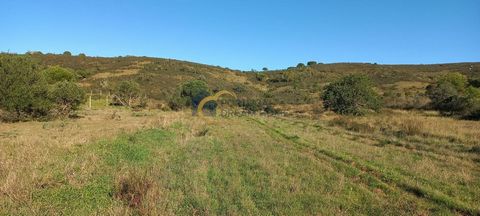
{"x":401,"y":86}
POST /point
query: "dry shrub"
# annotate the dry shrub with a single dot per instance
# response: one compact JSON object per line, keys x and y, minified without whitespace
{"x":318,"y":109}
{"x":350,"y":124}
{"x":202,"y":132}
{"x":114,"y":116}
{"x":134,"y":189}
{"x":411,"y":127}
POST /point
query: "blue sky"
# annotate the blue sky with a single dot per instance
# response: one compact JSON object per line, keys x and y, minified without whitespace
{"x":249,"y":34}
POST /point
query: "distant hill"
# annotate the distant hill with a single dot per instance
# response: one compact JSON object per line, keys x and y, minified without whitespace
{"x":401,"y":85}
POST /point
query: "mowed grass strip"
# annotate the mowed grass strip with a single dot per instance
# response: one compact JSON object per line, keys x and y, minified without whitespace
{"x":455,"y":191}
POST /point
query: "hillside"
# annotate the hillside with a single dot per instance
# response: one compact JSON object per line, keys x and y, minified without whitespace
{"x":402,"y":86}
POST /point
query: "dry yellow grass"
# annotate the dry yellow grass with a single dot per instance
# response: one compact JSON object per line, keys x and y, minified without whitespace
{"x":238,"y":165}
{"x":131,"y":70}
{"x":28,"y":146}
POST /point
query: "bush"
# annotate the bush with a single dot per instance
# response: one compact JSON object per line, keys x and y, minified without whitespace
{"x":300,"y":65}
{"x":474,"y":82}
{"x":54,"y":74}
{"x":67,"y":53}
{"x":189,"y":94}
{"x":250,"y":105}
{"x":127,"y":92}
{"x":352,"y":95}
{"x":82,"y":74}
{"x":269,"y":109}
{"x":311,"y":63}
{"x":22,"y":88}
{"x":472,"y":110}
{"x":67,"y":96}
{"x":261,"y":76}
{"x":452,"y":94}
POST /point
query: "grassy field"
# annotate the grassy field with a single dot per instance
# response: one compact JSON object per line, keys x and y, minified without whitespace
{"x":119,"y":162}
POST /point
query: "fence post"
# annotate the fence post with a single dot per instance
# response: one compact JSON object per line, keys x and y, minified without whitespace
{"x":106,"y":99}
{"x":90,"y":100}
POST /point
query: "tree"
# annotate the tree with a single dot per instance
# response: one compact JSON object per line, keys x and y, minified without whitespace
{"x":54,"y":74}
{"x":67,"y":53}
{"x":311,"y":63}
{"x":67,"y":96}
{"x":300,"y":65}
{"x":448,"y":94}
{"x":127,"y":92}
{"x":351,"y":95}
{"x":265,"y":69}
{"x":22,"y":88}
{"x":82,"y":55}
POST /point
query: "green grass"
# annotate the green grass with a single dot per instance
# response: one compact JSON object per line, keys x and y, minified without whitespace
{"x":249,"y":166}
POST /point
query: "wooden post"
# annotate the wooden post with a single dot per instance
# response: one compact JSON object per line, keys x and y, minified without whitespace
{"x":90,"y":100}
{"x":106,"y":99}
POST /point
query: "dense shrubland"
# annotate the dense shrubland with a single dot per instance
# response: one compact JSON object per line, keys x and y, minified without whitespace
{"x":164,"y":82}
{"x":28,"y":92}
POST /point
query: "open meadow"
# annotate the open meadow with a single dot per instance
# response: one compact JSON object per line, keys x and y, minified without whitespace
{"x":116,"y":161}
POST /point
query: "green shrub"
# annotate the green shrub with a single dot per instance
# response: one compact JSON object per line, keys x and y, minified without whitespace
{"x":472,"y":110}
{"x":127,"y":92}
{"x":54,"y":74}
{"x":238,"y":88}
{"x":261,"y":76}
{"x":311,"y":63}
{"x":351,"y":95}
{"x":474,"y":82}
{"x":250,"y":105}
{"x":452,"y":94}
{"x":269,"y":109}
{"x":82,"y":74}
{"x":67,"y":96}
{"x":189,"y":94}
{"x":22,"y":88}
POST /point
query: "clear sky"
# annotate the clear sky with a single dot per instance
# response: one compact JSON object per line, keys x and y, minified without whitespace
{"x":248,"y":34}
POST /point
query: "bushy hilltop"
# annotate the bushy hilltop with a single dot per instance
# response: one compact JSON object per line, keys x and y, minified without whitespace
{"x":157,"y":77}
{"x":402,"y":86}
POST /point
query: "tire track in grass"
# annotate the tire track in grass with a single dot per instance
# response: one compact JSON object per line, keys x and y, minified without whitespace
{"x":385,"y":179}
